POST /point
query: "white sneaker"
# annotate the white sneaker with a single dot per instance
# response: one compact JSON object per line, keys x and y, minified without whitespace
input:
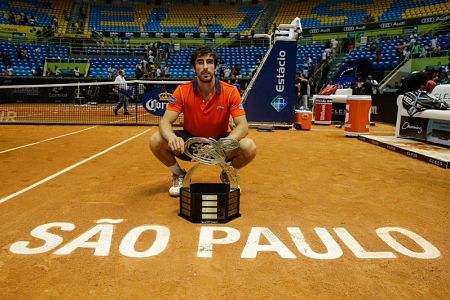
{"x":177,"y":183}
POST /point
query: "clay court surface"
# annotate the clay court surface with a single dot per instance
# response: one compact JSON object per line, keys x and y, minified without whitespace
{"x":304,"y":180}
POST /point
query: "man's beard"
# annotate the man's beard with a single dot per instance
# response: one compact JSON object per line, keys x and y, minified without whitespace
{"x":202,"y":79}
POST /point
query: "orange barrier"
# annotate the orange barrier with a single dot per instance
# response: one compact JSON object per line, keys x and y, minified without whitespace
{"x":323,"y":110}
{"x":303,"y":120}
{"x":357,"y":115}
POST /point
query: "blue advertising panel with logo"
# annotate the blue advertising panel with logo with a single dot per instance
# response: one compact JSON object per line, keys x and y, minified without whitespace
{"x":156,"y":101}
{"x":272,"y":97}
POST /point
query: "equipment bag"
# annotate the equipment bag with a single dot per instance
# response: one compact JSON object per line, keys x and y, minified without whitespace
{"x":417,"y":101}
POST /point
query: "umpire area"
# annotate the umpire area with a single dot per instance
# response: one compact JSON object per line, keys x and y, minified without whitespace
{"x":86,"y":214}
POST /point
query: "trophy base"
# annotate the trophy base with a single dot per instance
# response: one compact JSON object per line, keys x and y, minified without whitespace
{"x":209,"y":203}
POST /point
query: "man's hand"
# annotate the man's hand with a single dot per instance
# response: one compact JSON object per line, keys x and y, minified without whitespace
{"x":176,"y":144}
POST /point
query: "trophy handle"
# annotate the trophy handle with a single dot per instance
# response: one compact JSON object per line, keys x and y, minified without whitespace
{"x":233,"y":175}
{"x":187,"y":177}
{"x":208,"y":151}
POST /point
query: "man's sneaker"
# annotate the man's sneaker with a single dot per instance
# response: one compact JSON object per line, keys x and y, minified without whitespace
{"x":126,"y":113}
{"x":177,"y":183}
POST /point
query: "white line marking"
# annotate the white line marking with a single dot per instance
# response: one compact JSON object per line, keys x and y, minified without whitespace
{"x":9,"y":197}
{"x":46,"y":140}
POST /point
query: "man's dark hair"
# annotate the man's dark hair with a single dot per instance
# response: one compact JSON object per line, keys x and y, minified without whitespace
{"x":203,"y":50}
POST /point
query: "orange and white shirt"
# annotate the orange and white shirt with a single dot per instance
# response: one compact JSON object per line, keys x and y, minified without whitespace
{"x":207,"y":117}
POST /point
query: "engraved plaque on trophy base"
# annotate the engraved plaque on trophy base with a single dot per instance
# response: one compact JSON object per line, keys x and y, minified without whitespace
{"x":209,"y":203}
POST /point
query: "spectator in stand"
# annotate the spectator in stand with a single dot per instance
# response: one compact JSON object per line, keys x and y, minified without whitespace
{"x":368,"y":86}
{"x":32,"y":20}
{"x":9,"y":71}
{"x":436,"y":51}
{"x":358,"y":88}
{"x":375,"y":85}
{"x":415,"y":51}
{"x":424,"y":51}
{"x":434,"y":42}
{"x":334,"y":45}
{"x":303,"y":92}
{"x":237,"y":73}
{"x":406,"y":52}
{"x":111,"y":71}
{"x":37,"y":71}
{"x":221,"y":68}
{"x":58,"y":72}
{"x":412,"y":39}
{"x":138,"y":72}
{"x":167,"y":71}
{"x":19,"y":52}
{"x":76,"y":71}
{"x":48,"y":73}
{"x":54,"y":23}
{"x":378,"y":54}
{"x":431,"y":84}
{"x":351,"y":46}
{"x":24,"y":52}
{"x":324,"y":56}
{"x":227,"y":72}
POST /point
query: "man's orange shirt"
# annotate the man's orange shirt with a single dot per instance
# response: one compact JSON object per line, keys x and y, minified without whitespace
{"x":207,"y":118}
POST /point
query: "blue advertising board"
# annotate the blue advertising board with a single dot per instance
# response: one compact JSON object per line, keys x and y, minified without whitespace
{"x":272,"y":96}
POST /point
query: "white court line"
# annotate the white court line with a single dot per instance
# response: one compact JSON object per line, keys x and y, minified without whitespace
{"x":46,"y":140}
{"x":9,"y":197}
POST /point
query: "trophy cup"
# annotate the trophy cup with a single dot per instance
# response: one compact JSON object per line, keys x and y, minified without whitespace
{"x":210,"y":202}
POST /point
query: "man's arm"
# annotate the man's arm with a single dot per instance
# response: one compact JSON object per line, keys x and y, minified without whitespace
{"x":241,"y":129}
{"x":176,"y":144}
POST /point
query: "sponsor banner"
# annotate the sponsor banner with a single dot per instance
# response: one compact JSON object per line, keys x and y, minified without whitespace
{"x":156,"y":101}
{"x":272,"y":97}
{"x":65,"y":94}
{"x":435,"y":161}
{"x":374,"y":26}
{"x":17,"y":28}
{"x":384,"y":108}
{"x":306,"y":31}
{"x":442,"y":92}
{"x":430,"y":130}
{"x":59,"y":94}
{"x":439,"y":132}
{"x":172,"y":35}
{"x":414,"y":127}
{"x":338,"y":112}
{"x":323,"y":100}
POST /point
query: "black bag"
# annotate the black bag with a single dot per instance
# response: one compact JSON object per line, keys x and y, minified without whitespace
{"x":417,"y":101}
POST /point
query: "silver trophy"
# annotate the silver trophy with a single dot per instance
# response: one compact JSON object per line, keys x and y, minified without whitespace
{"x":208,"y":151}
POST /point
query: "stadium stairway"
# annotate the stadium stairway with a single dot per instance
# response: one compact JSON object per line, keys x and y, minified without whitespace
{"x":336,"y":63}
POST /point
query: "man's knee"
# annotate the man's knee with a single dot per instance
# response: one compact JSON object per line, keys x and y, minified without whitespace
{"x":157,"y":142}
{"x":248,"y":148}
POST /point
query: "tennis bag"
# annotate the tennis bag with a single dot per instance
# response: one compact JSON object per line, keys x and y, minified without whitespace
{"x":418,"y":101}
